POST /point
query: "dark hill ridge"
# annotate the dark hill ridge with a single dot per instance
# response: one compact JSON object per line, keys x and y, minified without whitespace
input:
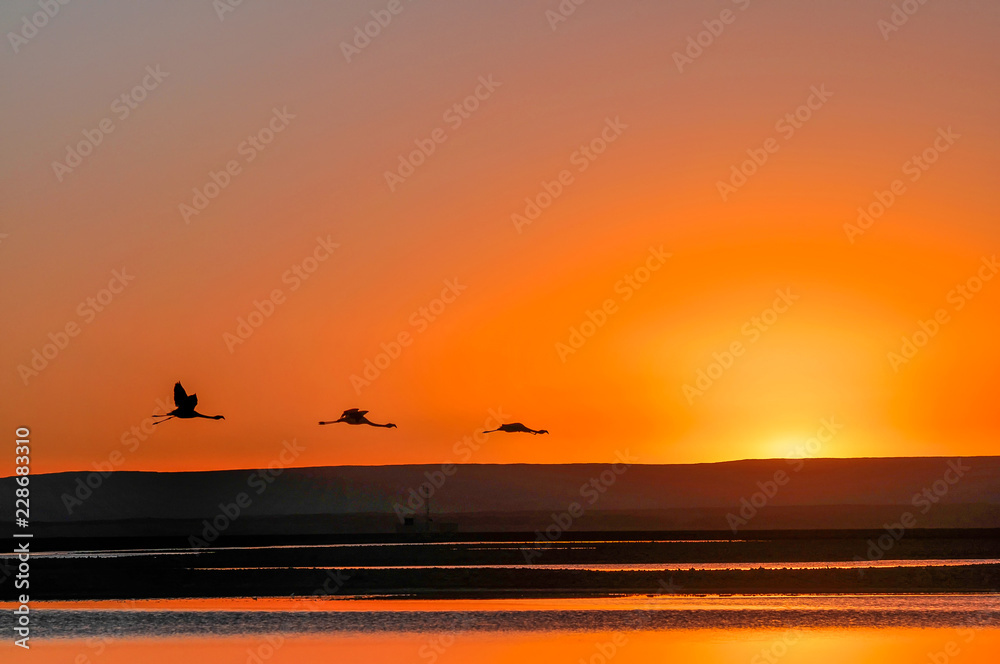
{"x":842,"y":493}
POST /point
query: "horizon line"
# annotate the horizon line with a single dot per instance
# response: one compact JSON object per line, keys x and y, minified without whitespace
{"x":516,"y":463}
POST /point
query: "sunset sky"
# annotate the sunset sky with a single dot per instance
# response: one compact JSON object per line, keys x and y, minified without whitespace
{"x":919,"y":105}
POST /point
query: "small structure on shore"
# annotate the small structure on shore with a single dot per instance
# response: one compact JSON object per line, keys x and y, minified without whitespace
{"x":425,"y":524}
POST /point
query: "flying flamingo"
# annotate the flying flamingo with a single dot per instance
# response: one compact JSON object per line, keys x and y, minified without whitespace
{"x":355,"y":416}
{"x":515,"y":427}
{"x":185,"y":407}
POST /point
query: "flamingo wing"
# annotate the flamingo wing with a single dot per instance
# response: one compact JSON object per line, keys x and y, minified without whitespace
{"x":184,"y":400}
{"x":180,"y":396}
{"x":353,"y":411}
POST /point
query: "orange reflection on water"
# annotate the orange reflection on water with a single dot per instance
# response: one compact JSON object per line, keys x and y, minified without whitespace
{"x":855,"y":646}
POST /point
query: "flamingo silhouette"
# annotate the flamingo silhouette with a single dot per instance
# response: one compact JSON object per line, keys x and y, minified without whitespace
{"x":515,"y":427}
{"x":355,"y":416}
{"x":185,"y":407}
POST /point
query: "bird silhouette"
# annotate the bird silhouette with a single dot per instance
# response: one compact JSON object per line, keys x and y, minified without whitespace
{"x":515,"y":427}
{"x":355,"y":416}
{"x":185,"y":407}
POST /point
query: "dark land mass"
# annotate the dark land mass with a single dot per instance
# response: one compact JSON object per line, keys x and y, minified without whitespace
{"x":155,"y":578}
{"x":768,"y":494}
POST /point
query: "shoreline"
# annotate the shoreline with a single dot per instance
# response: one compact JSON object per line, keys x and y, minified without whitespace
{"x":469,"y":569}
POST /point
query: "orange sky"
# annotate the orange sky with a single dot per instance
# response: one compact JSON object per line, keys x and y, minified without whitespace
{"x":655,"y":185}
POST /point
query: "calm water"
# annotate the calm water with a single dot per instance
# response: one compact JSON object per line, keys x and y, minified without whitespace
{"x":203,"y":554}
{"x":658,"y":567}
{"x":814,"y":629}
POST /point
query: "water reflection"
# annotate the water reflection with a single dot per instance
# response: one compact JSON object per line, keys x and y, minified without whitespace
{"x":309,"y":616}
{"x":707,"y":646}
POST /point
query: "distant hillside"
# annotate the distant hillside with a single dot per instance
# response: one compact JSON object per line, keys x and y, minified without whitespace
{"x":816,"y":493}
